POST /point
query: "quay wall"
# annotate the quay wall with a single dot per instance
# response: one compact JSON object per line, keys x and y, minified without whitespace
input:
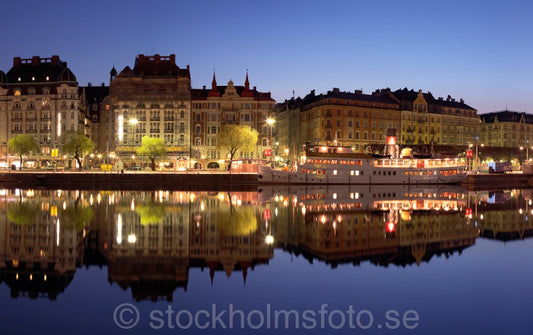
{"x":132,"y":181}
{"x":199,"y":181}
{"x":495,"y":181}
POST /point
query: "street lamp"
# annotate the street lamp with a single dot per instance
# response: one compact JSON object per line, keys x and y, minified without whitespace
{"x":270,"y":121}
{"x":133,"y":122}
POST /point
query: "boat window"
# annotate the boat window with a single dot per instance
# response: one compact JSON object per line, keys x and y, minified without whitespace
{"x":343,"y":162}
{"x":358,"y":162}
{"x":357,"y":172}
{"x":318,"y":161}
{"x":351,"y":162}
{"x":326,"y":161}
{"x":334,"y":161}
{"x":334,"y":172}
{"x":310,"y":161}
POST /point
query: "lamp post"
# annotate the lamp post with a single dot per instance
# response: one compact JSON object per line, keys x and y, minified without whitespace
{"x":270,"y":121}
{"x":133,"y":122}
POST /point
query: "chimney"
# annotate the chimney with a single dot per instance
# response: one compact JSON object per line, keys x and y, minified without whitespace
{"x":449,"y":98}
{"x":55,"y":60}
{"x":173,"y":58}
{"x":441,"y":99}
{"x":35,"y":60}
{"x":204,"y":87}
{"x":358,"y":92}
{"x":255,"y":88}
{"x":16,"y":61}
{"x":462,"y":101}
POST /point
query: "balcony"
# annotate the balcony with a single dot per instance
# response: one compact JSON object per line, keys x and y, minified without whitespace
{"x":168,"y":118}
{"x":155,"y":118}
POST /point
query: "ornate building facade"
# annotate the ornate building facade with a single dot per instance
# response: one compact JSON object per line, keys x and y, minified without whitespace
{"x":426,"y":120}
{"x":152,"y":99}
{"x":345,"y":118}
{"x":506,"y":129}
{"x":39,"y":96}
{"x":214,"y":108}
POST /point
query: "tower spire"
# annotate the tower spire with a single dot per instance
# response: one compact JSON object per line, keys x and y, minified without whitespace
{"x":246,"y":82}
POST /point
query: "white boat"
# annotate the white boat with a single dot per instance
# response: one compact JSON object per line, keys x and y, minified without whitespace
{"x":341,"y":165}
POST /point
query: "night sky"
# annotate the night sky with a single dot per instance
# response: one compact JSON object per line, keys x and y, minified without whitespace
{"x":480,"y":51}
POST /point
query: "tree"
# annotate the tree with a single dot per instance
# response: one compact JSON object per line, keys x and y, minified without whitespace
{"x":22,"y":145}
{"x":152,"y":147}
{"x":78,"y":144}
{"x":233,"y":139}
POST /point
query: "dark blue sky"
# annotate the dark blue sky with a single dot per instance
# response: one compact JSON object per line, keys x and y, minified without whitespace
{"x":477,"y":50}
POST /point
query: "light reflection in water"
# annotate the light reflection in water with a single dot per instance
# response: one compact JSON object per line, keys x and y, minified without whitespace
{"x":231,"y":232}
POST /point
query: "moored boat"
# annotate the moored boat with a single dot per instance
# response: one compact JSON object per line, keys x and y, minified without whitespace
{"x":341,"y":165}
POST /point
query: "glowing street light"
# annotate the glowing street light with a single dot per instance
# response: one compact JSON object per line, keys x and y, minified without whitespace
{"x":270,"y":121}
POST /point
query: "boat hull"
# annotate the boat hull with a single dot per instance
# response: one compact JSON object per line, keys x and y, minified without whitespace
{"x":267,"y":175}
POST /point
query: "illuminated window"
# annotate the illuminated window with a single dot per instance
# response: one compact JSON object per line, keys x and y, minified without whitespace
{"x":17,"y":92}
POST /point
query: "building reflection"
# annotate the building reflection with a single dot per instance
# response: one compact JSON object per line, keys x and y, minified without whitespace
{"x":149,"y":241}
{"x":382,"y":224}
{"x":503,"y":216}
{"x":41,"y":240}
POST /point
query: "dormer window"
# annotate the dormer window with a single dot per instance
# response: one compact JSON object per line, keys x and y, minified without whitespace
{"x":17,"y":92}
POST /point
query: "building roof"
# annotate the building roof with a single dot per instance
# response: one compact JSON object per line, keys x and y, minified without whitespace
{"x":155,"y":66}
{"x":218,"y":91}
{"x":94,"y":94}
{"x":39,"y":71}
{"x":380,"y":96}
{"x":506,"y":116}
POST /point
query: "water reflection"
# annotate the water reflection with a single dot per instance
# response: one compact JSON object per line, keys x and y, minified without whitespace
{"x":383,"y":224}
{"x":149,"y":241}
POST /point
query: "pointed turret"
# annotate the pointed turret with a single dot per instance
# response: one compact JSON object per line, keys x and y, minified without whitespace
{"x":214,"y":91}
{"x":246,"y":92}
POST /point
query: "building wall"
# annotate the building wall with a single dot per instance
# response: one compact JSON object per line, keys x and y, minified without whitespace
{"x":214,"y":108}
{"x":39,"y":96}
{"x":159,"y":101}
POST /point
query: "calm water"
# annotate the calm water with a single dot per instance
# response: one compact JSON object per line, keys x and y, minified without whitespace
{"x":304,"y":260}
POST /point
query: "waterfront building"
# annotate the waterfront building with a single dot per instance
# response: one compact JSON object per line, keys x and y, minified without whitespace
{"x":218,"y":106}
{"x":506,"y":129}
{"x":426,"y":120}
{"x":91,"y":98}
{"x":459,"y":121}
{"x":347,"y":118}
{"x":287,"y":131}
{"x":151,"y":99}
{"x":39,"y":96}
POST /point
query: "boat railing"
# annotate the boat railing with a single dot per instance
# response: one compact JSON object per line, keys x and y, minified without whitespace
{"x":417,"y":163}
